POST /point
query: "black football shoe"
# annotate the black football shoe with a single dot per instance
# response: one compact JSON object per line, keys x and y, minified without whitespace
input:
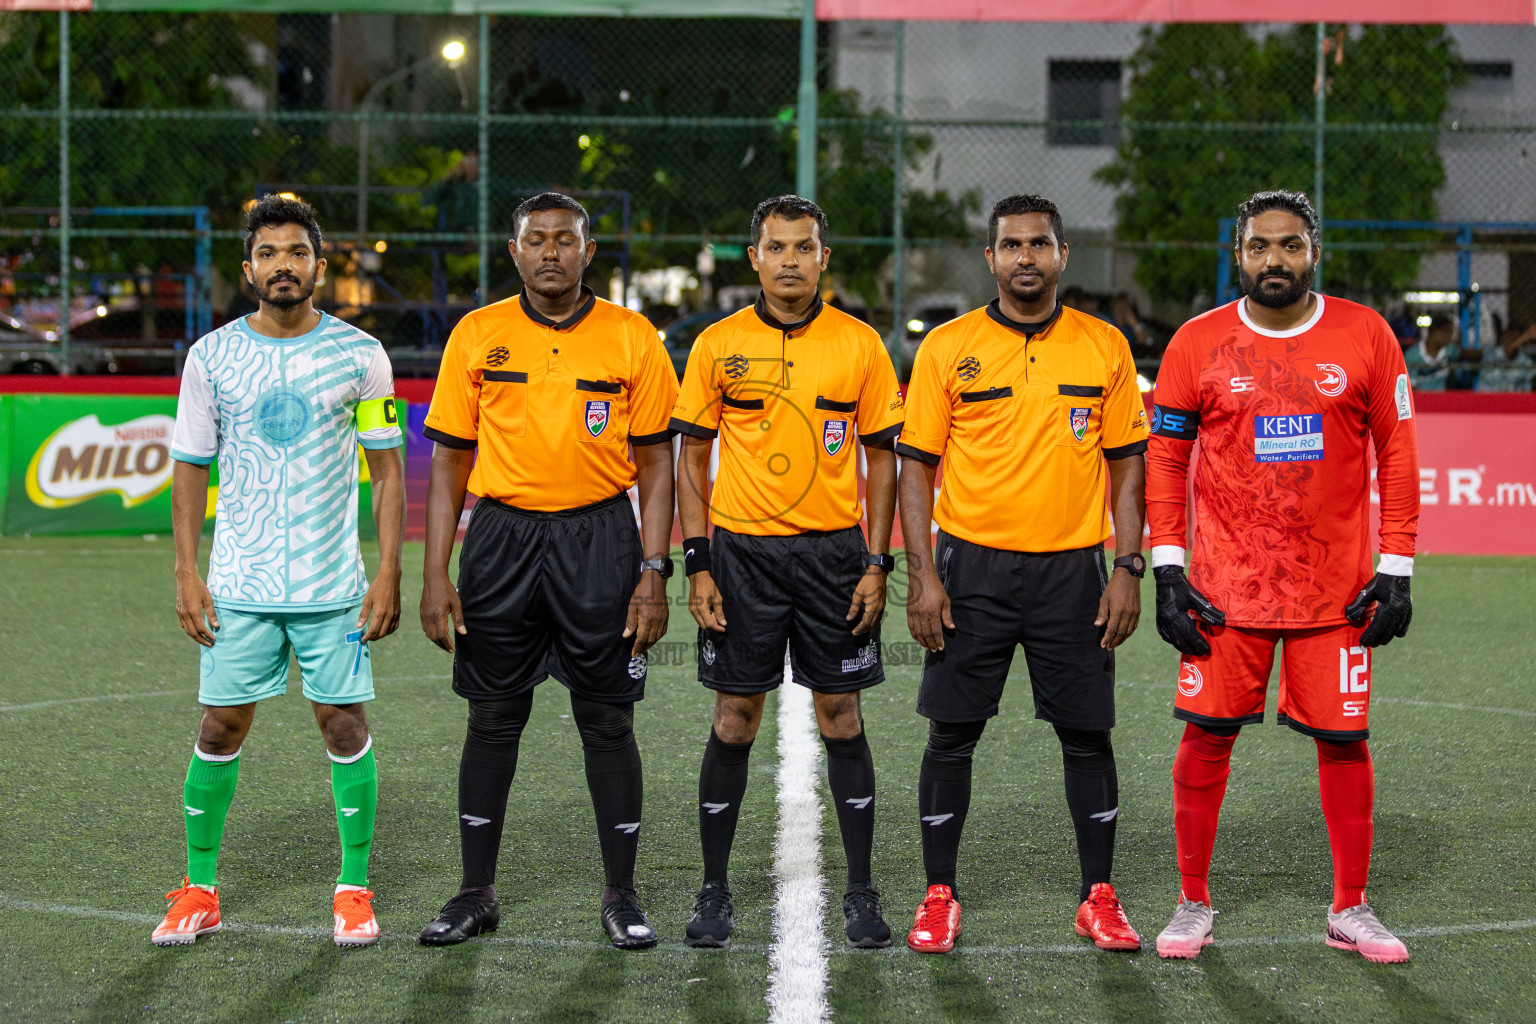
{"x":864,"y":925}
{"x":466,"y":915}
{"x":711,"y":925}
{"x":626,"y":922}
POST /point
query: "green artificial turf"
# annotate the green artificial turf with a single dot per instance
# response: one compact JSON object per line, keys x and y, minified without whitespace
{"x":92,"y":836}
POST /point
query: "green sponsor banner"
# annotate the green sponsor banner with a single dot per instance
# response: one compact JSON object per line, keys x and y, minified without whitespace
{"x":83,"y":464}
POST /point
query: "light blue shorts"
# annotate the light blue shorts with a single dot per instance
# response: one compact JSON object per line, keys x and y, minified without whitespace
{"x":248,"y":661}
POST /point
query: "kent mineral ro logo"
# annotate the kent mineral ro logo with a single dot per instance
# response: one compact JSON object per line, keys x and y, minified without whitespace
{"x":84,"y":459}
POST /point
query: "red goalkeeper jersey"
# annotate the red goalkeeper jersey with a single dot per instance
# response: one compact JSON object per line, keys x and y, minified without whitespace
{"x":1282,"y":482}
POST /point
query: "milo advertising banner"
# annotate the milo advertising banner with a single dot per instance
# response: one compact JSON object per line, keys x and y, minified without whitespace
{"x":77,"y":464}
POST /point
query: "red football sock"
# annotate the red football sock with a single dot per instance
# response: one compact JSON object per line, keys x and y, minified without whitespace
{"x":1347,"y":782}
{"x":1200,"y":770}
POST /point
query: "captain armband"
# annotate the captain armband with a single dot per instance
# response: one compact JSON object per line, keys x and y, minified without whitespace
{"x":377,"y":414}
{"x":1180,"y":424}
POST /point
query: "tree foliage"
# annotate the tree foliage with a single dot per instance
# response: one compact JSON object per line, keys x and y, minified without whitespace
{"x":1215,"y":113}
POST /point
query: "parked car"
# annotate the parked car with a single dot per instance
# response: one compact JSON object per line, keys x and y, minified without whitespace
{"x":678,"y":337}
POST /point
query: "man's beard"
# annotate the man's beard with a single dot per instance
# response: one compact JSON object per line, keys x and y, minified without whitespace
{"x":1297,"y":287}
{"x":1032,"y":293}
{"x":301,"y":293}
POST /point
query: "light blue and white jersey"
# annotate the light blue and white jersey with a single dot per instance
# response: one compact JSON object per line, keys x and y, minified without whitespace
{"x":281,"y":416}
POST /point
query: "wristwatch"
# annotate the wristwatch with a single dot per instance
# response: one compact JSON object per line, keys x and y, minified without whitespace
{"x":885,"y":562}
{"x":662,"y":566}
{"x":1133,"y":564}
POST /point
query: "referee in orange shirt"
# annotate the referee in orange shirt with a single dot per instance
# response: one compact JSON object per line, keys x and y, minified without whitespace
{"x":1026,"y":403}
{"x":567,"y":398}
{"x":784,"y":385}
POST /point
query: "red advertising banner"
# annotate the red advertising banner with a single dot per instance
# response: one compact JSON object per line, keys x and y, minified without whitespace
{"x":1410,"y":12}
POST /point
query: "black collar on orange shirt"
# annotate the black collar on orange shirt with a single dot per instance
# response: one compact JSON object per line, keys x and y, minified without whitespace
{"x":588,"y":301}
{"x":1029,"y":330}
{"x":761,"y":308}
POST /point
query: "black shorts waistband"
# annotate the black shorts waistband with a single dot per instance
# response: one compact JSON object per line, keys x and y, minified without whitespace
{"x":564,"y":513}
{"x":792,"y":536}
{"x":1032,"y":554}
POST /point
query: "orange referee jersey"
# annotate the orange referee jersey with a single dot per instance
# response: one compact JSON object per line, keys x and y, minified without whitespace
{"x":1023,"y":416}
{"x":785,"y":401}
{"x":553,"y":407}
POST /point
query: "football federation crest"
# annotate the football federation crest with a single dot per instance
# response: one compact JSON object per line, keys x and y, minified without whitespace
{"x":597,"y":417}
{"x":1190,"y":679}
{"x":496,"y":356}
{"x":833,"y":434}
{"x":638,"y":667}
{"x":736,"y":366}
{"x":1079,"y":421}
{"x":969,"y":368}
{"x":1333,"y":380}
{"x":708,"y":651}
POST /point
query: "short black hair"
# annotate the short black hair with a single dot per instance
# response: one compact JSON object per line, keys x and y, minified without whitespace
{"x":1023,"y":202}
{"x":550,"y":201}
{"x":273,"y":210}
{"x":788,"y":208}
{"x":1281,"y":199}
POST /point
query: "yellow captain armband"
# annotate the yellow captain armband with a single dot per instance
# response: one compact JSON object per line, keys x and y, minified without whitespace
{"x":376,"y":414}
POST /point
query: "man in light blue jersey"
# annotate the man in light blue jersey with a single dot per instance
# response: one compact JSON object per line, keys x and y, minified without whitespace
{"x":282,"y":398}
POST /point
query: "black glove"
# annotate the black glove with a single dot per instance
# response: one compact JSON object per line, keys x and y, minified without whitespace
{"x":1394,"y":609}
{"x":1176,"y":598}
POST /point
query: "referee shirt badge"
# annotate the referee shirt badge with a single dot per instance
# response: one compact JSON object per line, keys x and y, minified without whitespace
{"x":1079,"y":420}
{"x":597,"y":417}
{"x":833,"y":434}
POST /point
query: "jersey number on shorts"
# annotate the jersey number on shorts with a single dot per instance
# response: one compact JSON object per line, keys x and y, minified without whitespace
{"x":356,"y":637}
{"x":1352,"y":672}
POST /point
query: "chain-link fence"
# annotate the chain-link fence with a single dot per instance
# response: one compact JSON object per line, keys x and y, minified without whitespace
{"x":416,"y":136}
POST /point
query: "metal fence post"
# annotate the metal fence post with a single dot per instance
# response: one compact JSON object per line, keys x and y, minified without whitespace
{"x":484,"y":181}
{"x":897,"y":228}
{"x":1320,"y":116}
{"x":64,"y":220}
{"x":805,"y":119}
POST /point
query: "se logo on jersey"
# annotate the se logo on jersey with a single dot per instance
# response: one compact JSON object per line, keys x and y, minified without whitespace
{"x":833,"y":434}
{"x":597,"y":417}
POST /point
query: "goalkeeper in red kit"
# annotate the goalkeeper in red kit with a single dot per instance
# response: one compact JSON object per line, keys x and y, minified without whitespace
{"x":1283,"y":389}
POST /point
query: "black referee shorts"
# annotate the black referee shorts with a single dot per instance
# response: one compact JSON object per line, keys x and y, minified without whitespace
{"x":1047,"y":602}
{"x":793,"y":590}
{"x":547,"y":594}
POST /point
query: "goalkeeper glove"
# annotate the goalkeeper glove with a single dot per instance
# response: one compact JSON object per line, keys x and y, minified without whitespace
{"x":1394,"y":609}
{"x":1176,"y":598}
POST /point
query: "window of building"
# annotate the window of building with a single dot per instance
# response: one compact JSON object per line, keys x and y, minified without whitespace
{"x":1489,"y":78}
{"x":1084,"y":90}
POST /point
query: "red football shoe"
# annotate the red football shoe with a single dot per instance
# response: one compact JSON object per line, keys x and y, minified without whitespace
{"x":1102,"y":917}
{"x":937,"y":925}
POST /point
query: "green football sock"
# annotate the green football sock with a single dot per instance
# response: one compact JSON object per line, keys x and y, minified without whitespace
{"x":355,"y":785}
{"x":210,"y":788}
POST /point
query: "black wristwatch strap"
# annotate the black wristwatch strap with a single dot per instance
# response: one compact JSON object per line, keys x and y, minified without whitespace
{"x":886,"y":563}
{"x":662,"y":566}
{"x":1133,"y":564}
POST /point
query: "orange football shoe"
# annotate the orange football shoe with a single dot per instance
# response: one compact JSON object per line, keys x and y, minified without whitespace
{"x":937,"y":925}
{"x":355,"y":923}
{"x":193,"y":912}
{"x":1102,"y":917}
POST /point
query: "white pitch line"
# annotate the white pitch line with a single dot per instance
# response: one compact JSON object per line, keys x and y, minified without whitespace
{"x":797,"y":961}
{"x":91,"y":700}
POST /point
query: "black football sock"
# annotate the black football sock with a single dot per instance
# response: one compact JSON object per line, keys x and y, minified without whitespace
{"x":722,"y":785}
{"x":851,"y":776}
{"x":1093,"y":797}
{"x":486,"y":769}
{"x":614,"y":779}
{"x":944,"y":795}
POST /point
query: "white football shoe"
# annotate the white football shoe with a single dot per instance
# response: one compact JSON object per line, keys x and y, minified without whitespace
{"x":1358,"y":929}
